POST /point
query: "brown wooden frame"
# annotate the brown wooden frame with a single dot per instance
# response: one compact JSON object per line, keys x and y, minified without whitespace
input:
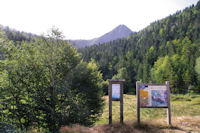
{"x":111,"y":99}
{"x":138,"y":84}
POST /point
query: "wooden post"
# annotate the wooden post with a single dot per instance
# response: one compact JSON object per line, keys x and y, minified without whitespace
{"x":121,"y":103}
{"x":110,"y":102}
{"x":169,"y":107}
{"x":138,"y":101}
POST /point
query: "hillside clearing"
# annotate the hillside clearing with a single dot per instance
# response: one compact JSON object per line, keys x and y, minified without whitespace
{"x":181,"y":105}
{"x":185,"y":117}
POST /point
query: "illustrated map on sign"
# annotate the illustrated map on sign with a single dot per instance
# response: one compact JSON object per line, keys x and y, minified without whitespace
{"x":116,"y":91}
{"x":153,"y":96}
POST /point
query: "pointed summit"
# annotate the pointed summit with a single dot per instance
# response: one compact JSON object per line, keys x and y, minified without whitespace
{"x":120,"y":31}
{"x":122,"y":28}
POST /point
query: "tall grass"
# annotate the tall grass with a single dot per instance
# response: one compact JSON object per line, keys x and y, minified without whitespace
{"x":181,"y":105}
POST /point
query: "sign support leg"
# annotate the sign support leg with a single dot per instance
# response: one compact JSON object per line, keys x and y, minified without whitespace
{"x":169,"y":107}
{"x":121,"y":103}
{"x":110,"y":103}
{"x":138,"y":102}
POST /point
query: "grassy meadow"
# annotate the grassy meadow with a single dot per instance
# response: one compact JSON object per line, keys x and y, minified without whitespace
{"x":181,"y":105}
{"x":185,"y":111}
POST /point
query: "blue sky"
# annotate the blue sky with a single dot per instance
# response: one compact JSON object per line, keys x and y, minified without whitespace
{"x":85,"y":19}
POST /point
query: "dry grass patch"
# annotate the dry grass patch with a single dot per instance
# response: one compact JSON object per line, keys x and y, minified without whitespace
{"x":183,"y":124}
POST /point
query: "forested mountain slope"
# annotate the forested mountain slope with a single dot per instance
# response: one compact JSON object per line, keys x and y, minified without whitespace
{"x":168,"y":49}
{"x":17,"y":36}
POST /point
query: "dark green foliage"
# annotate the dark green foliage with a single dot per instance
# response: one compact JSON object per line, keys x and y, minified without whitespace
{"x":165,"y":50}
{"x":44,"y":83}
{"x":17,"y":36}
{"x":7,"y":128}
{"x":197,"y":69}
{"x":87,"y":83}
{"x":3,"y":40}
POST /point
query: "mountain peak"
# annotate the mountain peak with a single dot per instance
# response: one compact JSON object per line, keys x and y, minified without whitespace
{"x":120,"y":31}
{"x":121,"y":26}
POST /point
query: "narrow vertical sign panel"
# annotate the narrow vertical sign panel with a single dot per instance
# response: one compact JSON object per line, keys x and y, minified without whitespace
{"x":144,"y":96}
{"x":115,"y":91}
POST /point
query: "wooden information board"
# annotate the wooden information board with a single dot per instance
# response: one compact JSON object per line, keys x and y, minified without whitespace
{"x":115,"y":92}
{"x":153,"y":96}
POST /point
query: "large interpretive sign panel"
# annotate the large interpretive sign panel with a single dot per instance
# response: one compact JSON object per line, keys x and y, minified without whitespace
{"x":153,"y":95}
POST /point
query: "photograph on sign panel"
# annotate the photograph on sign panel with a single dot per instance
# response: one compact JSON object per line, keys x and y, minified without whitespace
{"x":144,"y":96}
{"x":115,"y":91}
{"x":159,"y":97}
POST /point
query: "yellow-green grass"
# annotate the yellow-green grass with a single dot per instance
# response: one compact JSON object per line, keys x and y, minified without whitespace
{"x":181,"y":105}
{"x":185,"y":118}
